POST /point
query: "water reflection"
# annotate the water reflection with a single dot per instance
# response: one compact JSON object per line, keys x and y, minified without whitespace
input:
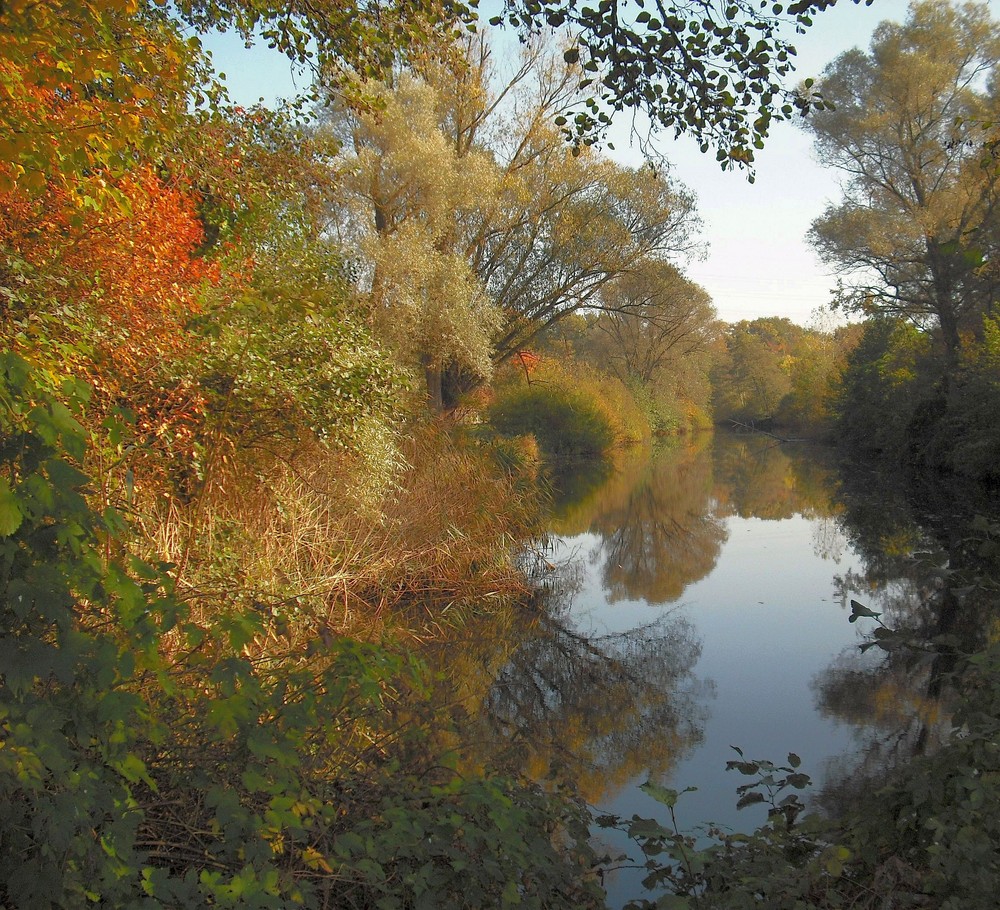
{"x":600,"y":708}
{"x":656,"y":527}
{"x":605,"y":680}
{"x":921,"y":570}
{"x":757,"y":477}
{"x":608,"y":706}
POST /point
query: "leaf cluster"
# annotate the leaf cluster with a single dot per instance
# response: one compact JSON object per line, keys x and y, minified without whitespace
{"x":715,"y":71}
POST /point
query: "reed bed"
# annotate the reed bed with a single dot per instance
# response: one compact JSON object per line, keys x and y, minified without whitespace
{"x":321,"y":542}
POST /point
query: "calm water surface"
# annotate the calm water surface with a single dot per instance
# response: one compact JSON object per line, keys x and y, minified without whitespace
{"x":698,"y":599}
{"x":724,"y":567}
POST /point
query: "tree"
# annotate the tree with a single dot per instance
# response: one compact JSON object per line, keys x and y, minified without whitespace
{"x":815,"y":371}
{"x":883,"y":384}
{"x":751,"y":378}
{"x":409,"y":195}
{"x":85,"y":87}
{"x":649,"y":317}
{"x":587,"y":222}
{"x":479,"y":225}
{"x":564,"y":225}
{"x":919,"y":209}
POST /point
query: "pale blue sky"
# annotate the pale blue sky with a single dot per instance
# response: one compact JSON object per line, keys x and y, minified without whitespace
{"x":757,"y":261}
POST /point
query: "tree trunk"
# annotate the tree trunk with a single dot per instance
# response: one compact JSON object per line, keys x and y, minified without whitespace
{"x":435,"y":388}
{"x":942,"y":268}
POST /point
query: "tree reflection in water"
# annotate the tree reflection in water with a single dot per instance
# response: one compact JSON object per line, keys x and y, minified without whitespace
{"x":657,"y":530}
{"x":604,"y":709}
{"x":600,"y":709}
{"x":758,"y":477}
{"x":920,"y":570}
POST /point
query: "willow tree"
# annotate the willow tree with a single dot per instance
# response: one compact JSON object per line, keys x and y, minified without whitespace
{"x":918,"y":214}
{"x":407,"y":194}
{"x":568,"y":229}
{"x":564,"y":223}
{"x":479,"y":227}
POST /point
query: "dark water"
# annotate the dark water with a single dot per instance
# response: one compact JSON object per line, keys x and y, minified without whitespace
{"x":698,"y":600}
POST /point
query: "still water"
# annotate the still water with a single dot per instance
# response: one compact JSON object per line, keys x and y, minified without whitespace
{"x":698,"y":600}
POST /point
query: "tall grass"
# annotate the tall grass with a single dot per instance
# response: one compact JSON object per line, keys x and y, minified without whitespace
{"x":313,"y":544}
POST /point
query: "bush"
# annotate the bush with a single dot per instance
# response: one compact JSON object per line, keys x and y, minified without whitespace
{"x":573,"y":413}
{"x":566,"y":424}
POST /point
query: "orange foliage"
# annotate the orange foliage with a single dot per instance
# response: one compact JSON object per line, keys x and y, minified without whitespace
{"x":134,"y":268}
{"x":82,"y":82}
{"x":129,"y":281}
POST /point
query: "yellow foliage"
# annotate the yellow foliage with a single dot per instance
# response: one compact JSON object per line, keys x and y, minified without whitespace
{"x":82,"y":84}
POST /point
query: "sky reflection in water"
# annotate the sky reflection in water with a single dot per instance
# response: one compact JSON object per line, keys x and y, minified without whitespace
{"x":740,"y":544}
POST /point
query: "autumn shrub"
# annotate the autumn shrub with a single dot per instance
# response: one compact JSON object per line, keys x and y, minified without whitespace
{"x":698,"y":417}
{"x":572,"y":412}
{"x":668,"y":412}
{"x":566,"y":424}
{"x":518,"y":455}
{"x":618,"y":402}
{"x":285,"y":352}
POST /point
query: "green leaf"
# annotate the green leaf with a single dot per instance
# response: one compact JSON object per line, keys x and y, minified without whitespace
{"x":859,"y":610}
{"x":11,"y":515}
{"x":661,"y":794}
{"x":133,"y":769}
{"x":646,"y":827}
{"x":749,"y":799}
{"x":664,"y":795}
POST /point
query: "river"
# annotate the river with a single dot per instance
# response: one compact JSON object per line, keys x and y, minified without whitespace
{"x":698,"y":599}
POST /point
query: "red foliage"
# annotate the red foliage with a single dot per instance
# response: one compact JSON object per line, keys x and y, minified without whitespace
{"x":128,"y":278}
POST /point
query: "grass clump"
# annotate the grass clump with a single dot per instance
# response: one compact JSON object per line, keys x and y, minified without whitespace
{"x":316,"y":540}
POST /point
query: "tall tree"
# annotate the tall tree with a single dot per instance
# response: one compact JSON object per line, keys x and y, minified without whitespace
{"x":564,"y":225}
{"x":408,"y":195}
{"x":568,"y":227}
{"x":481,"y":227}
{"x":651,"y":316}
{"x":919,"y":209}
{"x":751,"y":377}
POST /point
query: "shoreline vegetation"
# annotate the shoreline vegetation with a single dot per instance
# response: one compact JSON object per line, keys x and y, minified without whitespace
{"x":283,"y":394}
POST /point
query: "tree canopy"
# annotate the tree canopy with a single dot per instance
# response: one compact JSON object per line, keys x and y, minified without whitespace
{"x":918,"y":215}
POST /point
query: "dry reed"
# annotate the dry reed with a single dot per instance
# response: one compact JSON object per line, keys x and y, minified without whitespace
{"x":308,"y":541}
